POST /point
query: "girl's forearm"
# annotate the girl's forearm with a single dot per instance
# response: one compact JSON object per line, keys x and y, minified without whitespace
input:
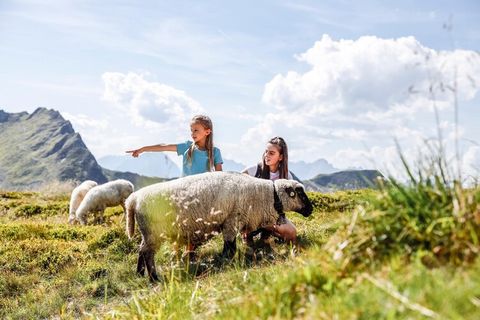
{"x":159,"y":147}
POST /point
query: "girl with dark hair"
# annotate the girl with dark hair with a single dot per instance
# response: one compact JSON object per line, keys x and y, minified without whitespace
{"x":274,"y":166}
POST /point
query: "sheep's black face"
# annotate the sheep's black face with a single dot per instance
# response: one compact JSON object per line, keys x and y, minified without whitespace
{"x":298,"y":195}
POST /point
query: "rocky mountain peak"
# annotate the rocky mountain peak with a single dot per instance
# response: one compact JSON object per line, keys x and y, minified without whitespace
{"x":40,"y":147}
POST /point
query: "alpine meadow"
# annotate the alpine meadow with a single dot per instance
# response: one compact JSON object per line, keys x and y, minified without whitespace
{"x":113,"y":114}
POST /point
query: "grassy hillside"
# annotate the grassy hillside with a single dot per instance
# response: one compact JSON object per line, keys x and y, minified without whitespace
{"x":347,"y":266}
{"x":344,"y":180}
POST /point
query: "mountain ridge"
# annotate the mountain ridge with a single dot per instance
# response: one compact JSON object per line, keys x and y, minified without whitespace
{"x":42,"y":147}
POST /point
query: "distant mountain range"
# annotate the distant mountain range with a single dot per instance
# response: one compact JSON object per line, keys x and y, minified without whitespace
{"x":159,"y":165}
{"x":42,"y":147}
{"x":153,"y":164}
{"x":306,"y":171}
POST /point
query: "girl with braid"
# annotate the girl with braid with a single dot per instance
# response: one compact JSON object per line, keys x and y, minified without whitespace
{"x":199,"y":155}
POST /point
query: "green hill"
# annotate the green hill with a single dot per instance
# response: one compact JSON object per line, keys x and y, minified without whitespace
{"x":344,"y":180}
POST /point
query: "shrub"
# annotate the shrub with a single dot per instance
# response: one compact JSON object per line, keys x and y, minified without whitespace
{"x":429,"y":215}
{"x":341,"y":201}
{"x":12,"y":285}
{"x":50,"y":209}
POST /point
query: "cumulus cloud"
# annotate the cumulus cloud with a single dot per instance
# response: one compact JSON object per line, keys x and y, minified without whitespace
{"x":372,"y":75}
{"x":149,"y":103}
{"x":356,"y":96}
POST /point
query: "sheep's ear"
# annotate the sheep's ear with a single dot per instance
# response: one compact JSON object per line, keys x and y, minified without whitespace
{"x":290,"y":192}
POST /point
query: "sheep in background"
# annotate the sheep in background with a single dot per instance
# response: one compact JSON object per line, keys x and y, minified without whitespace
{"x":98,"y":198}
{"x":77,"y":196}
{"x":193,"y":209}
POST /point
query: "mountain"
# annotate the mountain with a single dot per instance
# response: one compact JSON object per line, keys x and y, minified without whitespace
{"x":349,"y":179}
{"x":230,"y":165}
{"x":152,"y":164}
{"x":155,"y":164}
{"x":306,"y":171}
{"x":42,"y":147}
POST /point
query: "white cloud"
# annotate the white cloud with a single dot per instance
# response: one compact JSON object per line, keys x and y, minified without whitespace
{"x":360,"y":94}
{"x":471,"y":163}
{"x":150,"y":103}
{"x":372,"y":75}
{"x":83,"y":121}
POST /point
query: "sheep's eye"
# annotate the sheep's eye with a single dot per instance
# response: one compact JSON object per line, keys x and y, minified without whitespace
{"x":290,"y":192}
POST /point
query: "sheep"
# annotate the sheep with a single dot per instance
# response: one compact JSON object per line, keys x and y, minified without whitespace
{"x":77,"y":196}
{"x":193,"y":209}
{"x":98,"y":198}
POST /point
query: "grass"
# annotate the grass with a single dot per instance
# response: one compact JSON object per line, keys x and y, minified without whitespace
{"x":51,"y":269}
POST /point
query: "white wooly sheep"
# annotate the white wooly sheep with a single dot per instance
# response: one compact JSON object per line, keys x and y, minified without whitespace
{"x":193,"y":209}
{"x":77,"y":196}
{"x":98,"y":198}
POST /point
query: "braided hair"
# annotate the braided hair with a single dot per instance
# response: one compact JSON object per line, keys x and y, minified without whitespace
{"x":206,"y":123}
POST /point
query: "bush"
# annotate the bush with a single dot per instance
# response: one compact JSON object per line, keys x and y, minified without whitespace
{"x":50,"y":209}
{"x":429,"y":215}
{"x":341,"y":201}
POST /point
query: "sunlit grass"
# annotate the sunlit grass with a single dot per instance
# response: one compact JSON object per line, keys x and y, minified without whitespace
{"x":52,"y":269}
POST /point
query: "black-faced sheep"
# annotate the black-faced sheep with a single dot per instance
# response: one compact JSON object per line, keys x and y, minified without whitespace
{"x":77,"y":196}
{"x":98,"y":198}
{"x":193,"y":209}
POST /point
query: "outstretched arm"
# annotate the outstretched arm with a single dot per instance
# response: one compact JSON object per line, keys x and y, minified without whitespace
{"x":158,"y":147}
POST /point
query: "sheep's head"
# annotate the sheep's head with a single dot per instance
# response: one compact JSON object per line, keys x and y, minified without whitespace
{"x":293,"y":197}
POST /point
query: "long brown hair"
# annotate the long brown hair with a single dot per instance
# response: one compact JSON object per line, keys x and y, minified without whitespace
{"x":282,"y":166}
{"x":206,"y":123}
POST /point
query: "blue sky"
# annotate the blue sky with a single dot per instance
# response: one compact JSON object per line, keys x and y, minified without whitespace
{"x":338,"y":79}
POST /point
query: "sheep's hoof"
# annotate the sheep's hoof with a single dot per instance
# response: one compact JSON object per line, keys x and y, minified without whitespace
{"x":250,"y":256}
{"x":153,"y":277}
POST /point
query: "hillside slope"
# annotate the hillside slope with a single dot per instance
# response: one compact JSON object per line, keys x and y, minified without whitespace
{"x":343,"y":180}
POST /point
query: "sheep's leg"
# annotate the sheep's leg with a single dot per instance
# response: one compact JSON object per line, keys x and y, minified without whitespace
{"x":124,"y":212}
{"x":102,"y":214}
{"x":141,"y":264}
{"x":229,"y":249}
{"x":149,"y":257}
{"x":229,"y":231}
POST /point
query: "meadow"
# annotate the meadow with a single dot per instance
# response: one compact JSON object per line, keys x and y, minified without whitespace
{"x":397,"y":252}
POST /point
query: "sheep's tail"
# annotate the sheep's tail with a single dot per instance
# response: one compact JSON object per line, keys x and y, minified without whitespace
{"x":130,"y":205}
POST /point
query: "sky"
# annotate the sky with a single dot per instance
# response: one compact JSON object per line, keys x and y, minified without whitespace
{"x":339,"y":80}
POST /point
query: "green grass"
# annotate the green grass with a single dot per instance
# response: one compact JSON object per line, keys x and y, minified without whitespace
{"x":51,"y":269}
